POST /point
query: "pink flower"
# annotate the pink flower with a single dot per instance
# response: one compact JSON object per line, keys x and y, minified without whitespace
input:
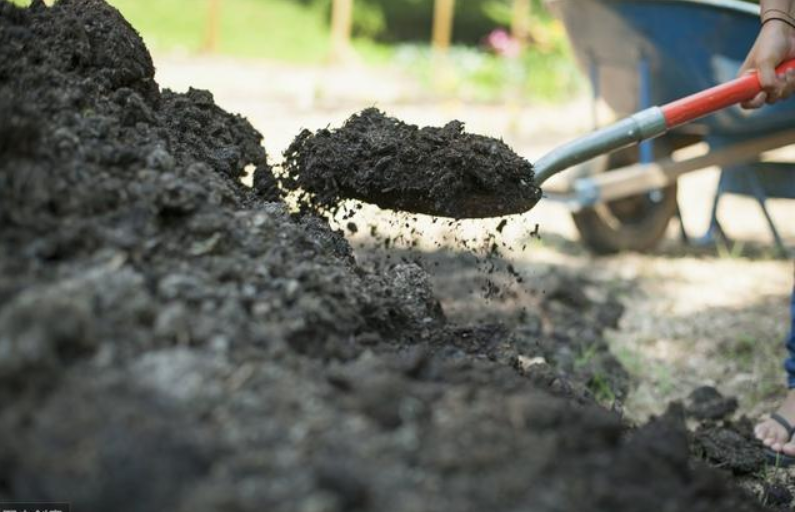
{"x":501,"y":42}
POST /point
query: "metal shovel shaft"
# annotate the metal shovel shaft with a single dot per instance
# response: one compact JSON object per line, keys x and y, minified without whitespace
{"x":641,"y":126}
{"x":651,"y":123}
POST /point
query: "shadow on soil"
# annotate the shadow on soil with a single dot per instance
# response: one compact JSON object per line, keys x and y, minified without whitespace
{"x":676,"y":248}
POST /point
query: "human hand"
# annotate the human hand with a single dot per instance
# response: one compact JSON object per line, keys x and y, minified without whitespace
{"x":775,"y":44}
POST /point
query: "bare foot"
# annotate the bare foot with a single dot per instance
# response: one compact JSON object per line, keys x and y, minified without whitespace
{"x":773,"y":434}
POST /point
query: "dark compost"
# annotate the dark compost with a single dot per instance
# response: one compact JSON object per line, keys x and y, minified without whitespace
{"x":171,"y":339}
{"x":444,"y":172}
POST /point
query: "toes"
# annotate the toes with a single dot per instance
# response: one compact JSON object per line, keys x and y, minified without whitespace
{"x":769,"y":434}
{"x":774,"y":437}
{"x":767,"y":438}
{"x":788,"y":449}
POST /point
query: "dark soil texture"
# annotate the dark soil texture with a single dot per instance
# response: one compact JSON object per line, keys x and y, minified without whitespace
{"x":171,"y":339}
{"x":444,"y":172}
{"x":706,"y":403}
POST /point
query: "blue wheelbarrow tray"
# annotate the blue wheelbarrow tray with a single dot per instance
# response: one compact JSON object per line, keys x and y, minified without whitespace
{"x":639,"y":53}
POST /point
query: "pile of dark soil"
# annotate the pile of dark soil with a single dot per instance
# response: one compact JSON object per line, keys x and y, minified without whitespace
{"x":173,"y":340}
{"x":729,"y":444}
{"x":443,"y":172}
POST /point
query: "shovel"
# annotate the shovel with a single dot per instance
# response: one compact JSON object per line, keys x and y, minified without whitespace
{"x":644,"y":125}
{"x":650,"y":123}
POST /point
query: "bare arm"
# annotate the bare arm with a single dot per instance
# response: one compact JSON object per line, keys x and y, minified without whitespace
{"x":775,"y":44}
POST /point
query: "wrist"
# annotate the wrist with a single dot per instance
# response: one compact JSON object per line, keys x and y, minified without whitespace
{"x":783,"y":10}
{"x":784,"y":6}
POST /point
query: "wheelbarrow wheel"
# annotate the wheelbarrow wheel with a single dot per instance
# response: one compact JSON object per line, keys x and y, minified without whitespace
{"x":634,"y":223}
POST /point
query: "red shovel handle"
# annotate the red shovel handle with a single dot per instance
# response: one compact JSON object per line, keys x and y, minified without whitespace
{"x":707,"y":102}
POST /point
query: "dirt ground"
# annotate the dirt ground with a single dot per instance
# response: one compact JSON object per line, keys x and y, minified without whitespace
{"x":692,"y":317}
{"x":170,"y":332}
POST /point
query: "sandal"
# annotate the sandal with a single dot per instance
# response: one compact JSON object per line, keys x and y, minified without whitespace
{"x":778,"y":459}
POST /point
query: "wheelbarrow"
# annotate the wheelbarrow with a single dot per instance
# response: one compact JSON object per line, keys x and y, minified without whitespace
{"x":639,"y":53}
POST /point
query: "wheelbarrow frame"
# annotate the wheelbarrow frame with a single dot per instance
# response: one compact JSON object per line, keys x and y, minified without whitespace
{"x":651,"y":175}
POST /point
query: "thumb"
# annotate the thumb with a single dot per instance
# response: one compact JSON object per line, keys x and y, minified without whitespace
{"x":747,"y":67}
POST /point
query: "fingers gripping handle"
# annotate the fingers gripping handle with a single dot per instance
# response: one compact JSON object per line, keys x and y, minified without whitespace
{"x":717,"y":98}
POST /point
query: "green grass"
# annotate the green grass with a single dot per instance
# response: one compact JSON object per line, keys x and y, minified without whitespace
{"x":599,"y":385}
{"x":291,"y":31}
{"x":641,"y":368}
{"x":271,"y":29}
{"x":282,"y":30}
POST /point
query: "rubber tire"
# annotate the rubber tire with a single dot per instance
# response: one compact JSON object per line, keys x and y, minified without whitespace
{"x":603,"y":232}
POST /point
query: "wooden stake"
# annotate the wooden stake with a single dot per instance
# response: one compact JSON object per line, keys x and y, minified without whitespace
{"x":213,"y":34}
{"x":443,"y":12}
{"x":341,"y":28}
{"x":520,"y":21}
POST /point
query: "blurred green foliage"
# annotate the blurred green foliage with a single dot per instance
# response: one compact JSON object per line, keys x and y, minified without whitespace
{"x":388,"y":32}
{"x":471,"y":74}
{"x":544,"y":71}
{"x":411,"y":20}
{"x":286,"y":30}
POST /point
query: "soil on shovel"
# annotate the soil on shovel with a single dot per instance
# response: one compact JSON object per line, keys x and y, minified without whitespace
{"x":171,"y":339}
{"x":444,"y":172}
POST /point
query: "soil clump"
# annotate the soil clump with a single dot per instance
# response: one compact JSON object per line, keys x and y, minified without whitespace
{"x":381,"y":160}
{"x":730,"y":445}
{"x":706,"y":403}
{"x":171,"y":339}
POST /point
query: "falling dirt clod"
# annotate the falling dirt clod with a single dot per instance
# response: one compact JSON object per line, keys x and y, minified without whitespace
{"x":444,"y":172}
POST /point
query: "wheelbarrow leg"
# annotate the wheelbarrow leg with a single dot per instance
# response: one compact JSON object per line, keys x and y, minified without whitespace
{"x":715,"y":230}
{"x":684,"y":236}
{"x":761,"y":197}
